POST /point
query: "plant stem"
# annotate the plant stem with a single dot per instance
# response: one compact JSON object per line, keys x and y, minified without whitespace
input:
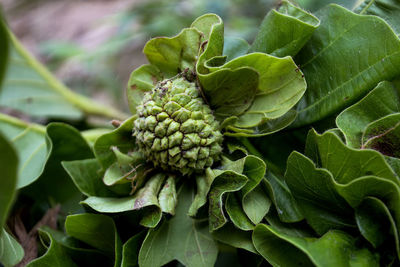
{"x":20,"y":123}
{"x":83,"y":103}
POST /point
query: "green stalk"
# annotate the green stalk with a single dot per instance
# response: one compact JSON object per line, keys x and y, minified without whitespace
{"x":20,"y":123}
{"x":83,"y":103}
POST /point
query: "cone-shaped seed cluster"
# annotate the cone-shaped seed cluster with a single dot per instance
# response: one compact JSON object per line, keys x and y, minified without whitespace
{"x":175,"y":129}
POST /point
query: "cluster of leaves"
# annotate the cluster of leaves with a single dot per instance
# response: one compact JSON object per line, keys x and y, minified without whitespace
{"x":338,"y":204}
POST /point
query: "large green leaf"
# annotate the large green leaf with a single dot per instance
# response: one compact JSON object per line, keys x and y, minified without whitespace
{"x":389,"y":10}
{"x":11,"y":251}
{"x":212,"y":41}
{"x":30,"y":144}
{"x":267,"y":127}
{"x":234,"y":209}
{"x":120,"y":138}
{"x":145,"y":199}
{"x":55,"y":255}
{"x":334,"y":249}
{"x":87,"y":177}
{"x":40,"y":152}
{"x":130,"y":250}
{"x":228,"y":168}
{"x":280,"y":86}
{"x":330,"y":196}
{"x":224,"y":182}
{"x":344,"y":163}
{"x":380,"y":102}
{"x":142,"y":79}
{"x":232,"y":236}
{"x":224,"y":89}
{"x":29,"y":87}
{"x":314,"y":191}
{"x":376,"y":223}
{"x":287,"y":208}
{"x":8,"y":178}
{"x":63,"y":143}
{"x":255,"y":201}
{"x":345,"y":37}
{"x":79,"y":252}
{"x":235,"y":47}
{"x":165,"y":243}
{"x":383,"y":135}
{"x":98,"y":231}
{"x":284,"y":31}
{"x":173,"y":55}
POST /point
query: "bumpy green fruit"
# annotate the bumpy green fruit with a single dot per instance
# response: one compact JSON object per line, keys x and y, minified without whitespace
{"x":176,"y":129}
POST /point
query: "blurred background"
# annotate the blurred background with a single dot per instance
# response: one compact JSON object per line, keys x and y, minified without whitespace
{"x":93,"y":45}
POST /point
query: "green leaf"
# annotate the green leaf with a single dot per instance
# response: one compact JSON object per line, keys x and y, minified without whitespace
{"x":255,"y":201}
{"x":389,"y":10}
{"x":345,"y":163}
{"x":64,"y":143}
{"x":30,"y":144}
{"x":29,"y":87}
{"x":234,"y":47}
{"x":376,"y":223}
{"x":120,"y":138}
{"x":335,"y":248}
{"x":146,"y":197}
{"x":203,"y":183}
{"x":285,"y":31}
{"x":348,"y":175}
{"x":371,"y":186}
{"x":167,"y":196}
{"x":142,"y":79}
{"x":165,"y":243}
{"x":287,"y":208}
{"x":40,"y":152}
{"x":383,"y":135}
{"x":224,"y":182}
{"x":173,"y":55}
{"x":232,"y":236}
{"x":280,"y":86}
{"x":77,"y":250}
{"x":394,"y":164}
{"x":315,"y":193}
{"x":380,"y":102}
{"x":86,"y":177}
{"x":212,"y":42}
{"x":345,"y":37}
{"x":11,"y":251}
{"x":224,"y":90}
{"x":266,"y":128}
{"x":234,"y":209}
{"x":130,"y":250}
{"x":55,"y":256}
{"x":8,"y":178}
{"x":98,"y":231}
{"x":91,"y":135}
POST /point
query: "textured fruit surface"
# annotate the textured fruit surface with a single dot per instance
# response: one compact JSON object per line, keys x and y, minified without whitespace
{"x":176,"y":129}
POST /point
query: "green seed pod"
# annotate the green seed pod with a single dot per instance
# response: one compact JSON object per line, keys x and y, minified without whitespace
{"x":176,"y":129}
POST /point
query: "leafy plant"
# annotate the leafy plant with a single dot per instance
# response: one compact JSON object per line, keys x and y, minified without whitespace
{"x":205,"y":169}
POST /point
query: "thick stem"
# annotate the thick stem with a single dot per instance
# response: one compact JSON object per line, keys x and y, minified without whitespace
{"x":83,"y":103}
